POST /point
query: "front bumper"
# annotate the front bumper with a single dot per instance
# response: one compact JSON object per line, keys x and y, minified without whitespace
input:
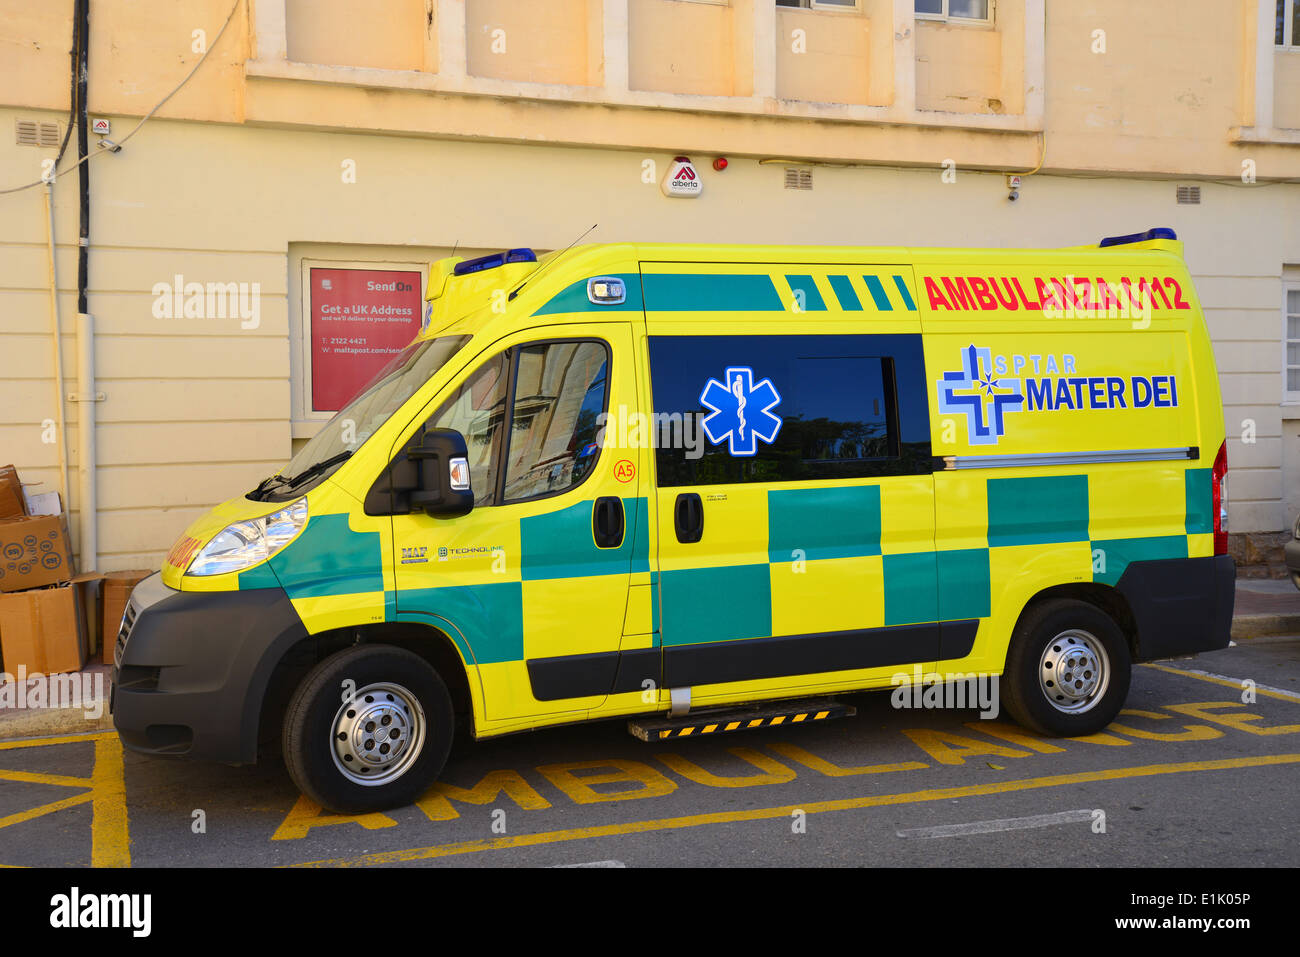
{"x":191,"y":668}
{"x":1181,"y":606}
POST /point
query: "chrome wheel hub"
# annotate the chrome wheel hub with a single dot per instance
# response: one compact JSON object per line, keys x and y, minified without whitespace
{"x":378,"y":735}
{"x":1074,"y":672}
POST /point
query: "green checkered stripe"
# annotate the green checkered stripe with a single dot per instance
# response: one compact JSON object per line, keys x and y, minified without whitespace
{"x":735,"y":602}
{"x":738,"y":292}
{"x":1054,"y":509}
{"x":491,"y":616}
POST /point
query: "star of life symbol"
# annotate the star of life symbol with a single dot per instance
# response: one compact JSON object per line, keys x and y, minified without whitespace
{"x":740,"y":411}
{"x":988,"y":400}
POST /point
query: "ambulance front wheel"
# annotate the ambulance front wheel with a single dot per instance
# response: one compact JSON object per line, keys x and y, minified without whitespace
{"x":1067,"y":670}
{"x":369,"y":728}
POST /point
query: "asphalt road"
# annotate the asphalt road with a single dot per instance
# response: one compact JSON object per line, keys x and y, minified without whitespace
{"x":1189,"y":775}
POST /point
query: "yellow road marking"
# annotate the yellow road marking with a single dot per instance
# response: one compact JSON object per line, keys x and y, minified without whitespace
{"x":110,"y":842}
{"x":62,"y":739}
{"x":761,"y":814}
{"x":1227,"y":683}
{"x":31,"y":777}
{"x":36,"y":812}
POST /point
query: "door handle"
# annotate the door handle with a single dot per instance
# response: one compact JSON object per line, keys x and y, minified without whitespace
{"x":688,"y":517}
{"x":607,"y":521}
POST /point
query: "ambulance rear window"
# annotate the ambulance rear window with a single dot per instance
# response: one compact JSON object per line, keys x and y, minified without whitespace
{"x":733,"y":409}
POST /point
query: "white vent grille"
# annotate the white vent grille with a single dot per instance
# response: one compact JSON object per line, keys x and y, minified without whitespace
{"x":32,"y":133}
{"x":1189,"y":195}
{"x":798,"y":178}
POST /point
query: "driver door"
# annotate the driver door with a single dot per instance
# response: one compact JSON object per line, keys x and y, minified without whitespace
{"x":534,"y":580}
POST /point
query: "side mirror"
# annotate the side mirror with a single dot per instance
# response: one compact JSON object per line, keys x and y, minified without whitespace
{"x":442,"y":483}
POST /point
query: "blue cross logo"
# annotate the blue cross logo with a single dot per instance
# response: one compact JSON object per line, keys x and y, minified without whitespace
{"x":991,"y":394}
{"x":740,"y":411}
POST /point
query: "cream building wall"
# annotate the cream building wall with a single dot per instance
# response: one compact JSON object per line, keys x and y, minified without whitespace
{"x":241,"y":175}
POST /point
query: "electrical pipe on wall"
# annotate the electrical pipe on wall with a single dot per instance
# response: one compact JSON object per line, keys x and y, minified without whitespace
{"x":58,"y":339}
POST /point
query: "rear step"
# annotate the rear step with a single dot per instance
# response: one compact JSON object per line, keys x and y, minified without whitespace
{"x":722,"y":720}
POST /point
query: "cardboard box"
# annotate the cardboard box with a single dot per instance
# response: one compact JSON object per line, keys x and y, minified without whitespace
{"x":91,"y":586}
{"x":12,"y":503}
{"x":34,"y":551}
{"x":117,"y":589}
{"x":42,"y":629}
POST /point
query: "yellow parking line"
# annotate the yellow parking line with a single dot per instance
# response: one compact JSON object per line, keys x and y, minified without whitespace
{"x":109,"y":835}
{"x":1226,"y":682}
{"x":36,"y":812}
{"x":30,"y":777}
{"x":63,"y":739}
{"x":761,"y":814}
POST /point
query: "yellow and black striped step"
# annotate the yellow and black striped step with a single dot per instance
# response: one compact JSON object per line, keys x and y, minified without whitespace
{"x":738,"y":719}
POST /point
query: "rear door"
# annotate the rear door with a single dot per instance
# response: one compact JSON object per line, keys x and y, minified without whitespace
{"x":794,"y":497}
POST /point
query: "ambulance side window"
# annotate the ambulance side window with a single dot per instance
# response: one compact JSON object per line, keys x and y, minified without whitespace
{"x":559,"y":394}
{"x":476,"y":410}
{"x":781,"y":408}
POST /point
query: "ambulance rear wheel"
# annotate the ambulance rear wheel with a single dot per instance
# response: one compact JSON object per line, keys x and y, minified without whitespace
{"x":369,"y":728}
{"x":1067,"y":670}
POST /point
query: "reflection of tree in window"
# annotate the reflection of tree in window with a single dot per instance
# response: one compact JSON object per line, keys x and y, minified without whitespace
{"x":559,"y":393}
{"x":825,"y":388}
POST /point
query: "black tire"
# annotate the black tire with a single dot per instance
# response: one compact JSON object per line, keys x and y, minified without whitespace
{"x":312,"y":722}
{"x":1076,"y":632}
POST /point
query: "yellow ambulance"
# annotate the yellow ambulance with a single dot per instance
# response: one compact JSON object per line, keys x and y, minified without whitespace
{"x":695,"y":486}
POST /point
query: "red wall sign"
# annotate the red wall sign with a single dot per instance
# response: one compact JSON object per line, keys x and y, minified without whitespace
{"x":360,"y":318}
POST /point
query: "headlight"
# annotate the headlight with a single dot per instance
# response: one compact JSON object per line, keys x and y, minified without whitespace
{"x":246,"y":543}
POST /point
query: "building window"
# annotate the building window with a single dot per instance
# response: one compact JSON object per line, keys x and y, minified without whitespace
{"x":819,"y":4}
{"x":1291,"y":307}
{"x":955,"y":9}
{"x":1286,"y":31}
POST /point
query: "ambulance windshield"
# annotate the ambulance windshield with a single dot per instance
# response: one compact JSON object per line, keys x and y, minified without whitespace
{"x":352,"y":425}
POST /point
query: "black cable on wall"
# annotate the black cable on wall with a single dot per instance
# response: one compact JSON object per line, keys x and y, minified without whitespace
{"x":82,"y":33}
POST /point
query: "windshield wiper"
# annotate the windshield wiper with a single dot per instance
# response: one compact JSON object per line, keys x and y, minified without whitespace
{"x":316,"y":469}
{"x":264,"y":486}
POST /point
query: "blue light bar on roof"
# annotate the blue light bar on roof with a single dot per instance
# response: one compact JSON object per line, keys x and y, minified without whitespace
{"x":1155,"y":232}
{"x":496,"y":259}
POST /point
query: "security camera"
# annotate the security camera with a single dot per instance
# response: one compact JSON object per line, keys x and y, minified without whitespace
{"x":107,"y":144}
{"x":1013,"y":187}
{"x":1013,"y":195}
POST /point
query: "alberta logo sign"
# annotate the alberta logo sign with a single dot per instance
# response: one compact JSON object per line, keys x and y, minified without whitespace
{"x":682,"y":179}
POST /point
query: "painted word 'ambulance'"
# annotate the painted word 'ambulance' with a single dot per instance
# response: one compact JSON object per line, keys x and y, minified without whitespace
{"x":692,"y":485}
